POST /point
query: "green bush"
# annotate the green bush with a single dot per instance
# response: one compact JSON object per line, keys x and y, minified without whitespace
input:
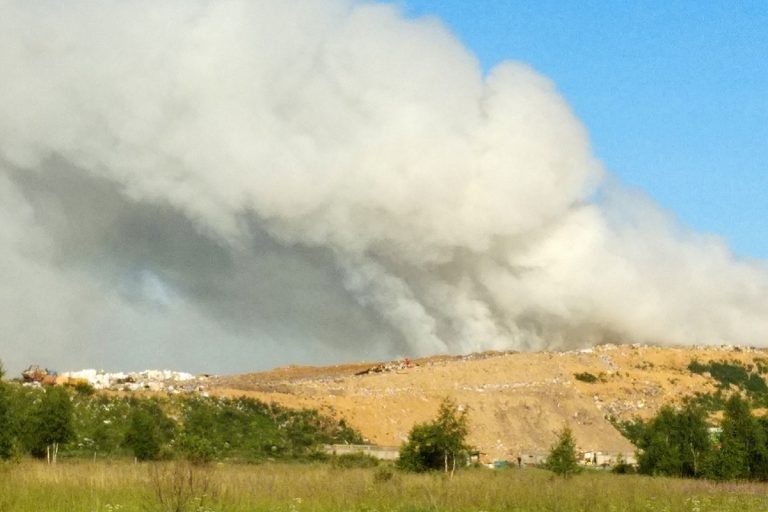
{"x":762,"y":365}
{"x":7,"y":437}
{"x":383,"y":474}
{"x":198,"y":449}
{"x":622,"y":468}
{"x":50,"y":423}
{"x":84,"y":388}
{"x":145,"y":435}
{"x":200,"y":429}
{"x":734,"y":373}
{"x":696,"y":367}
{"x":585,"y":377}
{"x":708,"y":401}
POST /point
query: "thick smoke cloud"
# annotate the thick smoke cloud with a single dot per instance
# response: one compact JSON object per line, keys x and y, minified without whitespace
{"x":230,"y":185}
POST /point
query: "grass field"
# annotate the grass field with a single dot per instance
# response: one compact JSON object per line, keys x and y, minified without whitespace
{"x":122,"y":486}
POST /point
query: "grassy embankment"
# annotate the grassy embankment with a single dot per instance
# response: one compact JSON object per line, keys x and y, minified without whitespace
{"x":109,"y":487}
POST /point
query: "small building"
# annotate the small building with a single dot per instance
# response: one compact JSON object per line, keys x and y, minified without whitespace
{"x":378,"y":452}
{"x":532,"y":459}
{"x":606,"y":460}
{"x":475,"y":456}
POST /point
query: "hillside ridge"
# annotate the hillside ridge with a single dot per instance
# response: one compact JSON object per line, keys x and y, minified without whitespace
{"x":517,"y":401}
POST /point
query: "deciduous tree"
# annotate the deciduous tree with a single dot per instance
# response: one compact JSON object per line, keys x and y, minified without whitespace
{"x":438,"y":444}
{"x":51,"y":423}
{"x":742,"y":453}
{"x":148,"y":430}
{"x":674,"y":443}
{"x":562,"y":456}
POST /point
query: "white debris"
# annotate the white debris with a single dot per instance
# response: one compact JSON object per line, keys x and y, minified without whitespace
{"x":153,"y":380}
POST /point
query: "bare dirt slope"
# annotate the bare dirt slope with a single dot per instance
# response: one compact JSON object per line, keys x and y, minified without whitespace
{"x":517,"y":401}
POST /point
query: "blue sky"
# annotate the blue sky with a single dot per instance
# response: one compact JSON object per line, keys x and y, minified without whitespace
{"x":674,"y":94}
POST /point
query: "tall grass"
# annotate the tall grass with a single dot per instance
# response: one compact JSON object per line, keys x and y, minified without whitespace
{"x":108,"y":487}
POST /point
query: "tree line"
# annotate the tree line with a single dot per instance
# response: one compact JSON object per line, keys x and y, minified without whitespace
{"x":681,"y":442}
{"x":55,"y":421}
{"x":678,"y":442}
{"x":51,"y":421}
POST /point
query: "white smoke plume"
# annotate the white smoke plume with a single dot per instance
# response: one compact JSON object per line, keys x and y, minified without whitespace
{"x":228,"y":185}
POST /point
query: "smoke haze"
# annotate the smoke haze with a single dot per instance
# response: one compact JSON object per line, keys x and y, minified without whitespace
{"x":231,"y":185}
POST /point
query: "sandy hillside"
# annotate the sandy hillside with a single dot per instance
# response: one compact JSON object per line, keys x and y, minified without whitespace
{"x":517,"y":401}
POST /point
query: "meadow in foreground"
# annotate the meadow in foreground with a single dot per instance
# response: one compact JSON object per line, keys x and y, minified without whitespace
{"x":108,"y":487}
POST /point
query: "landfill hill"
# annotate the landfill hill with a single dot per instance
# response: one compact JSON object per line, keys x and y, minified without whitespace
{"x":517,"y":402}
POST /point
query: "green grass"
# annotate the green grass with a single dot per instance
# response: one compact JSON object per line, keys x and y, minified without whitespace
{"x":108,"y":487}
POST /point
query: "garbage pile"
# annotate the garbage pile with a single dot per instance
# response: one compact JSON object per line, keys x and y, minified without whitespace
{"x":148,"y":380}
{"x":36,"y":375}
{"x":391,"y":366}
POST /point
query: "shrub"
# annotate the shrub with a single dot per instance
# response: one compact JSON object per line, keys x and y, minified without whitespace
{"x":181,"y":488}
{"x":36,"y":420}
{"x":84,"y":388}
{"x":696,"y":367}
{"x":354,"y":460}
{"x":197,"y":449}
{"x":732,"y":374}
{"x":149,"y":430}
{"x":143,"y":436}
{"x":51,"y":423}
{"x":383,"y":474}
{"x":585,"y":377}
{"x":6,"y":423}
{"x":622,"y":468}
{"x":707,"y":401}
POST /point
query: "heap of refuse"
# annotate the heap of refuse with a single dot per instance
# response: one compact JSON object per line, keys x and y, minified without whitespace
{"x":150,"y":380}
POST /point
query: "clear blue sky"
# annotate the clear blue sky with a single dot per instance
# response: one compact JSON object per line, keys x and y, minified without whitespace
{"x":673,"y":93}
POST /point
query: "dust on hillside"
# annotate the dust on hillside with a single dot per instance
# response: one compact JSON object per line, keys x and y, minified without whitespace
{"x":517,"y":402}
